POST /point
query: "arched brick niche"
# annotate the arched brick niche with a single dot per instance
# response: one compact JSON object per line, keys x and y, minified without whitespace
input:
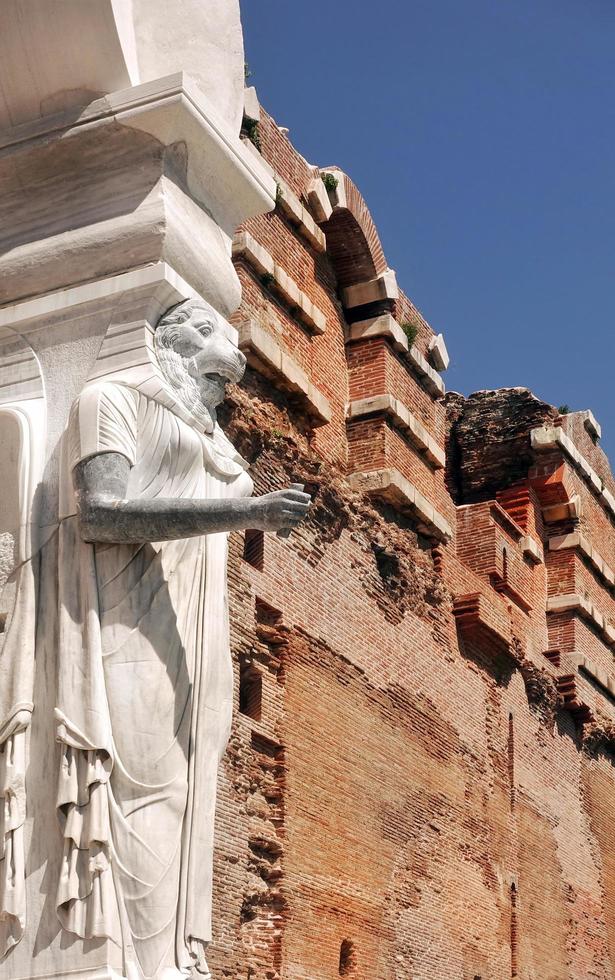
{"x":354,"y":247}
{"x":353,"y":242}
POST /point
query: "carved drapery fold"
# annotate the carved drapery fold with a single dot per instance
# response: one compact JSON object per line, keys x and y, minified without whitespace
{"x":145,"y":688}
{"x":17,"y":622}
{"x":87,"y":904}
{"x":12,"y":818}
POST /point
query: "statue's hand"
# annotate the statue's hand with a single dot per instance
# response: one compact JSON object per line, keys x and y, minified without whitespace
{"x":280,"y":509}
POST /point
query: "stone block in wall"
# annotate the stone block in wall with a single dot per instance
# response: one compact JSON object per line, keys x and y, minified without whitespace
{"x":388,"y":484}
{"x":318,"y":200}
{"x":265,"y":355}
{"x":531,"y":549}
{"x":591,"y":424}
{"x":337,"y":195}
{"x":387,"y":326}
{"x":251,"y":105}
{"x":380,"y":326}
{"x":582,"y":544}
{"x":430,"y":379}
{"x":402,"y":418}
{"x":547,"y":438}
{"x":567,"y":510}
{"x":274,"y":277}
{"x":581,"y":605}
{"x":438,"y":354}
{"x":383,"y":287}
{"x":299,"y":217}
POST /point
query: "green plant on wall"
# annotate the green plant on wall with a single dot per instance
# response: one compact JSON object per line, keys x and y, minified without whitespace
{"x":267,"y":279}
{"x":250,"y":129}
{"x":411,"y":330}
{"x":563,"y":409}
{"x":329,"y":181}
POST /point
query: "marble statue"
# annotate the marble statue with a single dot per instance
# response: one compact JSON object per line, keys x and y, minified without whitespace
{"x":151,"y":488}
{"x":22,"y":419}
{"x":124,"y":180}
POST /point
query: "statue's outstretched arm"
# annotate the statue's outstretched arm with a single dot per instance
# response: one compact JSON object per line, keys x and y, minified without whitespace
{"x":106,"y":514}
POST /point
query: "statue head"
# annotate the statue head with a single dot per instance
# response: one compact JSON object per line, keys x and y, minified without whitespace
{"x":197,"y":358}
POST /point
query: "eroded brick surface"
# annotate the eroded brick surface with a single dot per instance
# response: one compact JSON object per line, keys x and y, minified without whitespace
{"x":406,"y":794}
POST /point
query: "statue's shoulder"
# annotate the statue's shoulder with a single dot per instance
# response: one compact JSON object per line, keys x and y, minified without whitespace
{"x":108,"y":388}
{"x":104,"y":395}
{"x":103,"y":418}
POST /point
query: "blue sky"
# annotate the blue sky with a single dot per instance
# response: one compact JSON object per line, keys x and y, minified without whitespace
{"x":482,"y":136}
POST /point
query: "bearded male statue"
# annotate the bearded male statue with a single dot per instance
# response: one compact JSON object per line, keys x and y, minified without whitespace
{"x":145,"y":680}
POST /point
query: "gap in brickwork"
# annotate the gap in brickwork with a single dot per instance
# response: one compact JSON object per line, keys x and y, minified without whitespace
{"x":511,"y":759}
{"x":348,"y":959}
{"x":267,"y":615}
{"x":514,"y":966}
{"x":250,"y":692}
{"x":254,"y":549}
{"x":264,"y":908}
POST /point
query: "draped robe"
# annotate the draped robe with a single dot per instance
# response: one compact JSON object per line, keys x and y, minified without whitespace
{"x":145,"y":687}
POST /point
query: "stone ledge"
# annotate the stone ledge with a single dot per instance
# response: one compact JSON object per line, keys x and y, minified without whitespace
{"x":300,"y":217}
{"x":546,"y":438}
{"x":605,"y":680}
{"x":318,"y":200}
{"x":266,"y":356}
{"x":390,"y":485}
{"x":438,"y":354}
{"x":581,"y":543}
{"x":337,"y":195}
{"x":591,"y":424}
{"x":403,"y":419}
{"x":251,"y":105}
{"x":246,"y":247}
{"x":530,"y":549}
{"x":430,"y":379}
{"x":574,"y":602}
{"x":387,"y":326}
{"x":566,"y":510}
{"x":382,"y":287}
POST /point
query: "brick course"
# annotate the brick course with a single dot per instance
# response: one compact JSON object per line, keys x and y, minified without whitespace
{"x":410,"y":794}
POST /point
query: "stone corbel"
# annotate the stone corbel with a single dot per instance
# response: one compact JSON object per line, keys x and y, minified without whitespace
{"x":154,"y":174}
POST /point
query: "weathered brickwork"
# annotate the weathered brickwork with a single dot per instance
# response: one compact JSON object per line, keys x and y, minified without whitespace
{"x":419,"y":783}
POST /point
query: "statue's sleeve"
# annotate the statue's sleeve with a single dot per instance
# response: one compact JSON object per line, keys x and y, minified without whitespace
{"x":103,"y":420}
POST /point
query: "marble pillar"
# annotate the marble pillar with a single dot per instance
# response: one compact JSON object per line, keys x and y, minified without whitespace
{"x":123,"y":181}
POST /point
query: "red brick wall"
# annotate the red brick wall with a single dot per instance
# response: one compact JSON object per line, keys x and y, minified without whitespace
{"x":405,"y":773}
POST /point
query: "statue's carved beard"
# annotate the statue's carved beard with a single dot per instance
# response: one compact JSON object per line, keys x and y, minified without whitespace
{"x":200,"y":394}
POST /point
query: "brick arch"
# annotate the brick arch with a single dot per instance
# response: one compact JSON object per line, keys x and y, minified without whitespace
{"x":353,"y":243}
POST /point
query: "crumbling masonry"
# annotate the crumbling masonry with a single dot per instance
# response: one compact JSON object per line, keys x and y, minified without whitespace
{"x":420,"y":779}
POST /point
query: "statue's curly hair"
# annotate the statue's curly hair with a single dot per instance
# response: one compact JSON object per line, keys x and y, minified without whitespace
{"x":166,"y":332}
{"x":173,"y":364}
